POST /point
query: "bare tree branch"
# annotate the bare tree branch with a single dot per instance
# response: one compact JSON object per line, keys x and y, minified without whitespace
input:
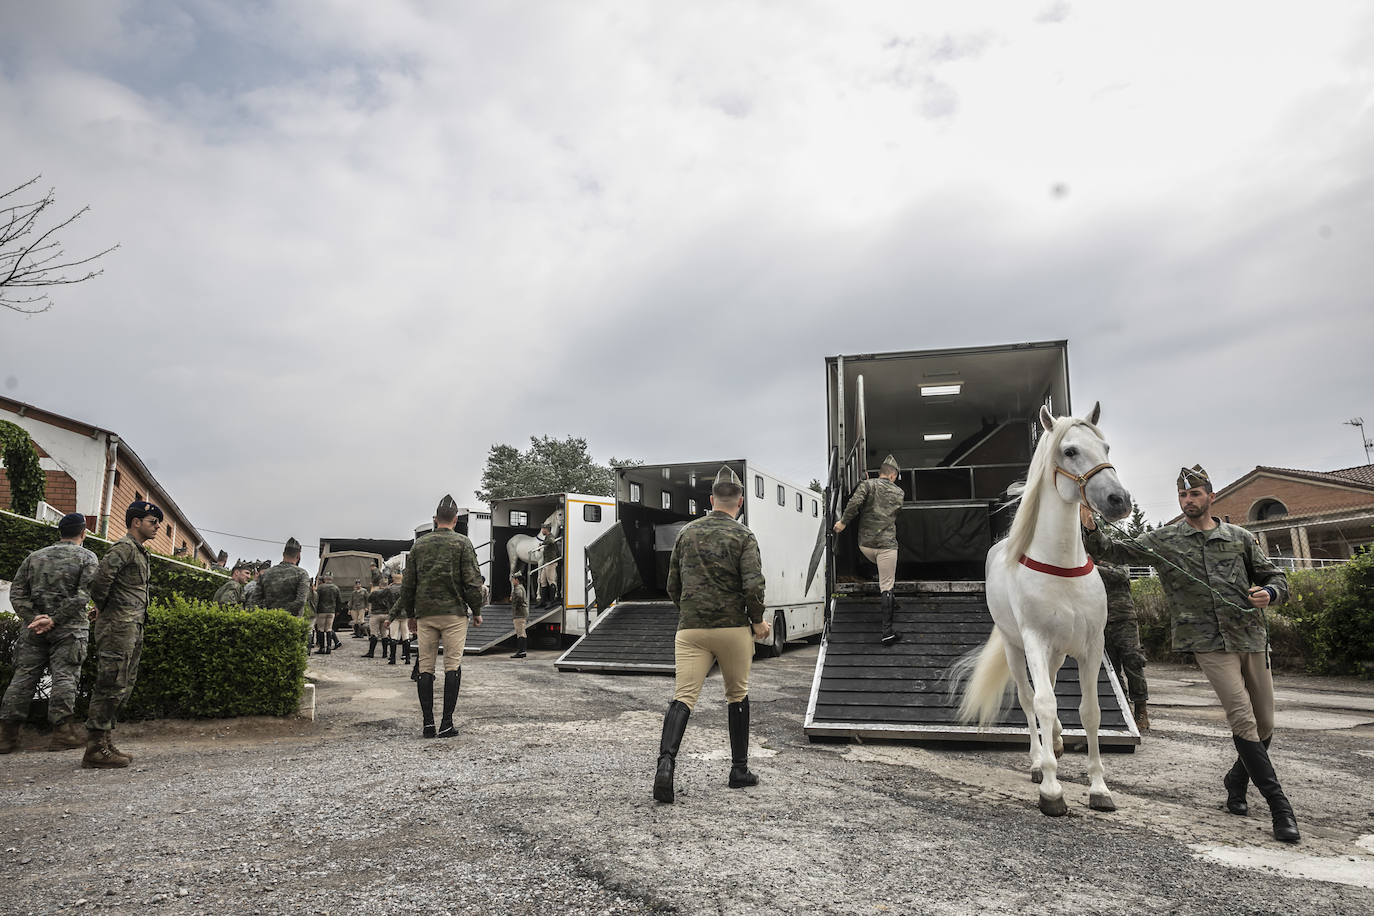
{"x":38,"y":262}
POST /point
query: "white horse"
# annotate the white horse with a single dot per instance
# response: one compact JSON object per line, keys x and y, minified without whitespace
{"x":529,"y":549}
{"x":1047,"y":602}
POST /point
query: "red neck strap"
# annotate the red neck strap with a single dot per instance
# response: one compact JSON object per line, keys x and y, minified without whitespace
{"x":1063,"y":571}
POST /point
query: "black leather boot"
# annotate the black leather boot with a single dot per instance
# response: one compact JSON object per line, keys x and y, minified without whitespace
{"x":358,"y":631}
{"x":391,"y":659}
{"x":674,"y":724}
{"x":520,"y":643}
{"x":452,"y":681}
{"x":889,"y":604}
{"x":1236,"y":781}
{"x":334,"y":640}
{"x":415,"y":669}
{"x":740,"y":777}
{"x":321,"y":644}
{"x":1257,"y":764}
{"x":371,"y":648}
{"x":405,"y":652}
{"x":424,"y":687}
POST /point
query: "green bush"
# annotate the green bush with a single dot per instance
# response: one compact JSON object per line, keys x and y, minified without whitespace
{"x":167,"y":578}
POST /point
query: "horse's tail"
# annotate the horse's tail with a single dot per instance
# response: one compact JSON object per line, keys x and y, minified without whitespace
{"x":984,"y":676}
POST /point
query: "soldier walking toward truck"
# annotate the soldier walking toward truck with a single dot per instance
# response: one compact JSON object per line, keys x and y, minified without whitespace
{"x":877,"y":501}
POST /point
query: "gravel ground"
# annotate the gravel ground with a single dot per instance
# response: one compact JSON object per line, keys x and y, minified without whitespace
{"x":542,"y":805}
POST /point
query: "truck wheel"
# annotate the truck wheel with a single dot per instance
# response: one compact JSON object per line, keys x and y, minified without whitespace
{"x":779,"y":635}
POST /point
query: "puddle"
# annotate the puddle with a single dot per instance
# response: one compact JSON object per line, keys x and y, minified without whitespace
{"x":1355,"y":871}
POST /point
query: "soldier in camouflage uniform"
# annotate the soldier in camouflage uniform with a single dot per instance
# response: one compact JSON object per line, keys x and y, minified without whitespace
{"x":252,"y":588}
{"x":548,"y":572}
{"x":1123,"y":639}
{"x":715,"y":577}
{"x":327,"y":600}
{"x":879,"y":500}
{"x":357,"y":609}
{"x":379,"y":602}
{"x":400,"y":627}
{"x":1222,"y":623}
{"x":50,"y":594}
{"x":519,"y":613}
{"x":120,"y":593}
{"x":441,"y":582}
{"x":230,"y":594}
{"x":286,"y":585}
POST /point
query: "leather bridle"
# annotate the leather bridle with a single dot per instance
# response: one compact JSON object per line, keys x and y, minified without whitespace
{"x":1082,"y":479}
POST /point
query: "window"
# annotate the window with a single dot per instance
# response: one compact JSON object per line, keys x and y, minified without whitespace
{"x":116,"y":480}
{"x":782,"y":495}
{"x":1267,"y":510}
{"x":665,"y":500}
{"x":519,"y":519}
{"x":636,"y":493}
{"x":591,"y":513}
{"x":758,"y":486}
{"x":691,"y":507}
{"x":800,"y":501}
{"x":137,"y":496}
{"x":815,"y":509}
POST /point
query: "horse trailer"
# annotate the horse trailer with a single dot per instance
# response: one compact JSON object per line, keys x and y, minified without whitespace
{"x":630,"y":620}
{"x":961,"y":424}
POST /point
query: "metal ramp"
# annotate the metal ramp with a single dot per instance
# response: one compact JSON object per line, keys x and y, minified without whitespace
{"x":864,"y":689}
{"x":498,"y":626}
{"x":633,"y":636}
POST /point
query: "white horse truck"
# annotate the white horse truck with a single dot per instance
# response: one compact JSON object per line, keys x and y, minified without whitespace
{"x":961,"y":424}
{"x":630,"y":621}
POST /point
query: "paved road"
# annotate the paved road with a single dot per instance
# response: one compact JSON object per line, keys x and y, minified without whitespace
{"x":542,"y":805}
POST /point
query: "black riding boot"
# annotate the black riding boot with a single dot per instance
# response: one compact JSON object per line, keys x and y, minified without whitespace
{"x":740,"y":776}
{"x":371,"y":648}
{"x":405,"y":652}
{"x":424,"y":687}
{"x":674,"y":724}
{"x":334,"y":638}
{"x":415,"y":669}
{"x":391,"y":659}
{"x":452,"y":681}
{"x":520,"y":643}
{"x":1256,"y":758}
{"x":1236,"y":780}
{"x":889,"y":604}
{"x":321,"y":644}
{"x":358,"y":631}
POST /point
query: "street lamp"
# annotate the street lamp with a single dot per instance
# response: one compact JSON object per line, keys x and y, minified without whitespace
{"x":1358,"y":423}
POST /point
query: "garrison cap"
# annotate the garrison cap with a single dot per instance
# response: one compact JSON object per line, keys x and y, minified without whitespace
{"x":891,"y":462}
{"x":141,"y":508}
{"x":447,"y":507}
{"x":72,"y":524}
{"x":293,"y":545}
{"x":727,"y":483}
{"x":1193,"y":477}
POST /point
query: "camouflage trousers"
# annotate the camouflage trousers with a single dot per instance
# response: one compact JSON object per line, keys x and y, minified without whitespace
{"x":60,"y":653}
{"x":118,"y":647}
{"x":1123,"y":648}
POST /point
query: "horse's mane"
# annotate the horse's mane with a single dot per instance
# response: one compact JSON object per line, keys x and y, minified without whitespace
{"x":1040,"y":475}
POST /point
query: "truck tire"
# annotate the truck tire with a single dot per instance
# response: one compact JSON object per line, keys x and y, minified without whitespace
{"x":774,"y":649}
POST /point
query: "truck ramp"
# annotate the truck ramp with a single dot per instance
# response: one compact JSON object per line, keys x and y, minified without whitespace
{"x":864,"y":689}
{"x":498,"y":626}
{"x":633,"y":636}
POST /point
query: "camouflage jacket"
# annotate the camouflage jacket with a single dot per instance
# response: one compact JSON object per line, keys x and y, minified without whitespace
{"x":519,"y":602}
{"x":56,"y":581}
{"x":284,"y":586}
{"x":1117,"y":579}
{"x":551,"y":549}
{"x":879,"y":501}
{"x":327,"y":599}
{"x":1227,"y":558}
{"x":120,"y":587}
{"x":715,"y":575}
{"x":357,"y":600}
{"x":251,"y":590}
{"x":380,"y":600}
{"x":441,"y":577}
{"x":230,"y":594}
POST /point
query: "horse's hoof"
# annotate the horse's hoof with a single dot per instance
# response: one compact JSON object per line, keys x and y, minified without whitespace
{"x":1101,"y":801}
{"x":1053,"y":807}
{"x":1037,"y":776}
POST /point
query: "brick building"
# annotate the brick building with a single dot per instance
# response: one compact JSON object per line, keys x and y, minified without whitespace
{"x":95,"y":472}
{"x":1305,"y":515}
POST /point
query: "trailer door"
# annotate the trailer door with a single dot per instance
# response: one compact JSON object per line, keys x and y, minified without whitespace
{"x":612,"y":567}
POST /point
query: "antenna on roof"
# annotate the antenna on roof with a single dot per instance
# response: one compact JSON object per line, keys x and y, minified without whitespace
{"x":1358,"y":423}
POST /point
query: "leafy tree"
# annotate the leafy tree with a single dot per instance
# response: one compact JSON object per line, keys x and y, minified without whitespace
{"x":816,"y":485}
{"x":549,"y":465}
{"x":1137,"y":524}
{"x":31,"y":257}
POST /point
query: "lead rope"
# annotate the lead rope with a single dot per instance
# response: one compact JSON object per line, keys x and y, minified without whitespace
{"x":1263,"y":612}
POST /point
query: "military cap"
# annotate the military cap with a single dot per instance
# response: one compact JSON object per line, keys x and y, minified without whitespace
{"x":727,"y":483}
{"x":72,"y":524}
{"x":891,"y":462}
{"x":1193,"y":477}
{"x":447,"y":507}
{"x":243,"y":564}
{"x":141,"y":508}
{"x":292,"y":546}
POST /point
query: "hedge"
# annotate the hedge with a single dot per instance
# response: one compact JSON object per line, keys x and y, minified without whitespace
{"x":1325,"y":627}
{"x":168,"y":578}
{"x":201,"y":661}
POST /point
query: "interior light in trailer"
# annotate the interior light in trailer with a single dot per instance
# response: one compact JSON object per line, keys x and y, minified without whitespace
{"x":944,"y":388}
{"x":938,"y":437}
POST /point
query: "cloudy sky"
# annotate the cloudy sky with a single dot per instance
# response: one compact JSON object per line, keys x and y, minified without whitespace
{"x":360,"y":242}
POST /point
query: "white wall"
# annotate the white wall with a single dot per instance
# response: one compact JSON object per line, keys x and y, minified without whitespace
{"x":80,"y":456}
